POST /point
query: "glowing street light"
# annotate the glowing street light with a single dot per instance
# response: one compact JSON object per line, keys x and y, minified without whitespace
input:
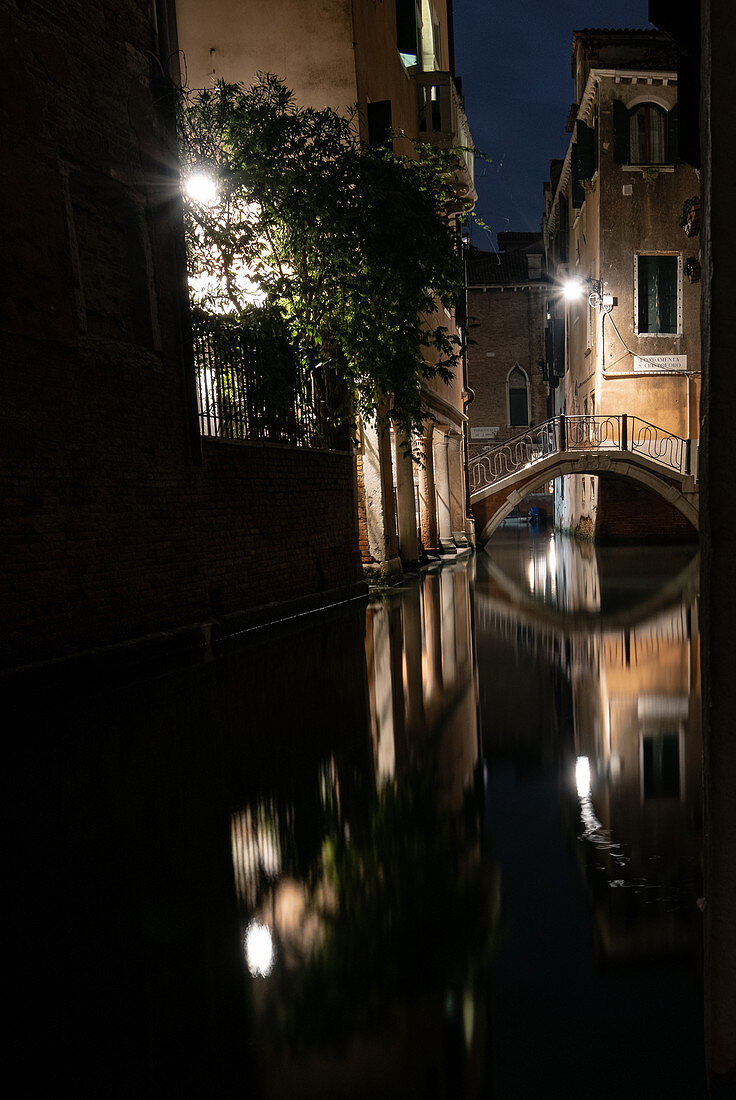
{"x":572,"y":289}
{"x":201,"y":188}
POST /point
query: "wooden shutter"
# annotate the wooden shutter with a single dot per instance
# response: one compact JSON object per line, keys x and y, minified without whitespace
{"x":620,"y":132}
{"x":672,"y":136}
{"x":558,"y":346}
{"x":585,"y":148}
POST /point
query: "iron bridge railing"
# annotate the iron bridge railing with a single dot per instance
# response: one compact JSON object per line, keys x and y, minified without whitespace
{"x":248,"y":392}
{"x":579,"y":433}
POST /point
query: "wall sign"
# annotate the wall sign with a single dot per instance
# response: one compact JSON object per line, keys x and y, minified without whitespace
{"x":660,"y":362}
{"x":483,"y":433}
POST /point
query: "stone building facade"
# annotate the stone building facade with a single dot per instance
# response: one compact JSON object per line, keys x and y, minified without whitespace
{"x":612,"y":223}
{"x":395,"y":62}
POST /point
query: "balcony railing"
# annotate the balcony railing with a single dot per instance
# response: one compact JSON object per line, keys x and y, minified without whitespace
{"x":442,"y":122}
{"x":246,"y":392}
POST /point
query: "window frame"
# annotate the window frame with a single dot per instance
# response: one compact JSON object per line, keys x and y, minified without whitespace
{"x":517,"y":366}
{"x":678,"y":329}
{"x":650,"y":105}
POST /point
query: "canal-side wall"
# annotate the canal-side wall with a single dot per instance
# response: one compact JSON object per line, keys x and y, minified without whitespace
{"x":118,"y":521}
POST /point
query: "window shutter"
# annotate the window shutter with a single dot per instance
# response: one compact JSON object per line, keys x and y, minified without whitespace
{"x":667,"y":293}
{"x":585,"y":147}
{"x":558,"y":346}
{"x":672,"y":135}
{"x":563,"y":235}
{"x":407,"y":31}
{"x":620,"y":132}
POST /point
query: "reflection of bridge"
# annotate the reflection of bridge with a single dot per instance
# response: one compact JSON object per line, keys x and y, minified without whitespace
{"x":625,"y":445}
{"x":566,"y":645}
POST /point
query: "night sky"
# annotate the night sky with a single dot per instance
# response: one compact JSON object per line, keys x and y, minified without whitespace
{"x":514,"y":60}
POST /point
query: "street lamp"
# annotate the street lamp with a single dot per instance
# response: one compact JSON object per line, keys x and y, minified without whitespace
{"x":201,"y":188}
{"x":574,"y":288}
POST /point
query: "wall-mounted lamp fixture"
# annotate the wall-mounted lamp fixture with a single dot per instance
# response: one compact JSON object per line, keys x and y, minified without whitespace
{"x":573,"y":289}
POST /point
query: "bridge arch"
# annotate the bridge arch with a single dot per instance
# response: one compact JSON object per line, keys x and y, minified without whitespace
{"x":494,"y":504}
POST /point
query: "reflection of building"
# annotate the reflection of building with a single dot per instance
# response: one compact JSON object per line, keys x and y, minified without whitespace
{"x":394,"y":61}
{"x":637,"y":722}
{"x":347,"y":886}
{"x":632,"y":679}
{"x":632,"y":346}
{"x":422,"y":677}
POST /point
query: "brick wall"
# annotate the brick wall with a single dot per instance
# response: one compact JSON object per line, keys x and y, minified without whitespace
{"x":628,"y":511}
{"x":507,"y":328}
{"x":110,"y":527}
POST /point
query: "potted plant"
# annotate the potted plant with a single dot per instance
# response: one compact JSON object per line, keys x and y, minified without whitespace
{"x":690,"y":216}
{"x":692,"y":269}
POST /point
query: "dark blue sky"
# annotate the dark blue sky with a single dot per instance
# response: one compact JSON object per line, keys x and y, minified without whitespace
{"x":514,"y":60}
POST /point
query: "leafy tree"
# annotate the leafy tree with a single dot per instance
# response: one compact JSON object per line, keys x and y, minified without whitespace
{"x":345,"y":246}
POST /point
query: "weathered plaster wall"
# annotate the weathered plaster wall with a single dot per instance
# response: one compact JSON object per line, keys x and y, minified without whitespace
{"x":310,"y":45}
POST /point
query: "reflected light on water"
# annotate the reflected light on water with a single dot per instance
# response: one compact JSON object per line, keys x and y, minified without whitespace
{"x":531,"y":574}
{"x":582,"y":776}
{"x":259,"y":949}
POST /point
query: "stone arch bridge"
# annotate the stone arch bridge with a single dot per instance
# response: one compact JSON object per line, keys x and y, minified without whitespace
{"x":625,"y":445}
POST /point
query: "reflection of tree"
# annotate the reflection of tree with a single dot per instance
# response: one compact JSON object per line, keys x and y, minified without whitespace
{"x":404,"y":911}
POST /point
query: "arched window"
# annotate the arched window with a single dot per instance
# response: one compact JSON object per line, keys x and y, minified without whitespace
{"x":647,"y":134}
{"x":518,"y":400}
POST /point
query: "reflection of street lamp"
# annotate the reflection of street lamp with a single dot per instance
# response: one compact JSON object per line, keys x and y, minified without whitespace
{"x":582,"y":776}
{"x":259,"y":949}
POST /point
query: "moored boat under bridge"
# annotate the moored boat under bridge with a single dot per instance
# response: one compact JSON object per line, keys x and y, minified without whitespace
{"x":501,"y":476}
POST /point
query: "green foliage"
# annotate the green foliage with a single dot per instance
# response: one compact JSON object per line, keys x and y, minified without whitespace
{"x":349,"y":244}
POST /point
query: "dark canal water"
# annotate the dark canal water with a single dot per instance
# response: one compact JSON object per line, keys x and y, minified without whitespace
{"x":445,"y":846}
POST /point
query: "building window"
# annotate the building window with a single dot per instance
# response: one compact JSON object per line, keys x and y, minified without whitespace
{"x":378,"y":117}
{"x":647,"y":135}
{"x":644,"y":134}
{"x":518,"y":399}
{"x":657,"y":294}
{"x":661,"y":765}
{"x":407,"y":31}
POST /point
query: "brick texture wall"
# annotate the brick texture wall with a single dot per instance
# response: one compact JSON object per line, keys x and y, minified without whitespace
{"x":507,"y":328}
{"x":110,"y":527}
{"x":628,"y":511}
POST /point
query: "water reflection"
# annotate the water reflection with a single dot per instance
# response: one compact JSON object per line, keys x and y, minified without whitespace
{"x":383,"y":936}
{"x":607,"y":753}
{"x":403,"y":851}
{"x":636,"y":712}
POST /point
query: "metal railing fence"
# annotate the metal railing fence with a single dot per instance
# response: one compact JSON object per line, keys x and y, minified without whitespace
{"x":248,"y":390}
{"x":621,"y":432}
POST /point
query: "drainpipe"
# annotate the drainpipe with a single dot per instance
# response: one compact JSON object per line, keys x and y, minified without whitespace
{"x":466,"y":388}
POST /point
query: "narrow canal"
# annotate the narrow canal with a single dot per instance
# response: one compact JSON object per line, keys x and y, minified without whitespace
{"x":445,"y":846}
